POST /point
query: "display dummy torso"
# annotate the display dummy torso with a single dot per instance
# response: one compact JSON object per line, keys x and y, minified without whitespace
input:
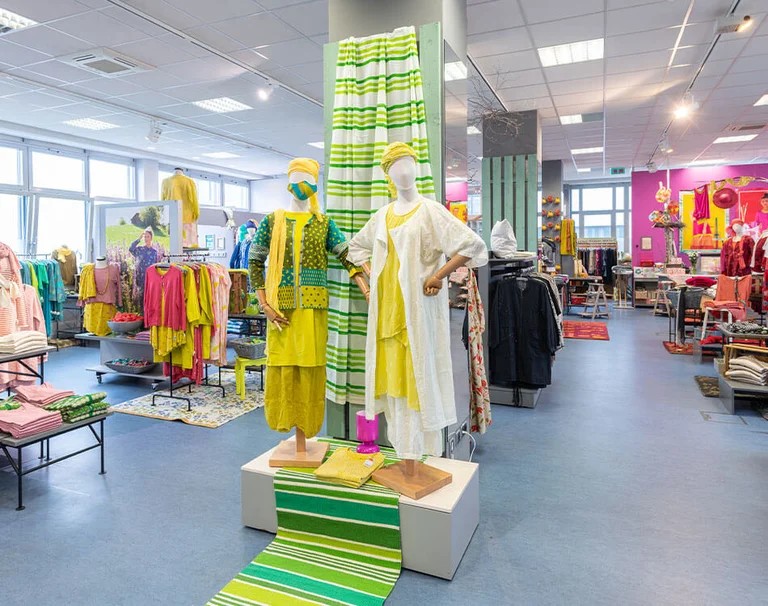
{"x":736,"y":255}
{"x":67,"y":264}
{"x":100,"y":292}
{"x":418,"y":234}
{"x":294,"y":296}
{"x":180,"y":187}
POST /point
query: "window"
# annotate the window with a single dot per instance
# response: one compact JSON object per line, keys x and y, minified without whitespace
{"x":10,"y":166}
{"x":10,"y":226}
{"x":236,"y":195}
{"x":603,"y":212}
{"x":208,"y":191}
{"x":111,"y":179}
{"x":60,"y":222}
{"x":54,"y":171}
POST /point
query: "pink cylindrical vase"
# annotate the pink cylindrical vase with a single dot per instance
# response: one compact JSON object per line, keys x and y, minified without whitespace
{"x":367,"y":433}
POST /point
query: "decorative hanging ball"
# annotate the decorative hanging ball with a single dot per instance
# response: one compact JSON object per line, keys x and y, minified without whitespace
{"x":673,"y":208}
{"x":557,"y":227}
{"x":557,"y":200}
{"x":550,"y":225}
{"x":557,"y":212}
{"x":550,"y":214}
{"x":654,"y":216}
{"x":550,"y":199}
{"x":544,"y":228}
{"x":544,"y":213}
{"x":557,"y":238}
{"x":725,"y":198}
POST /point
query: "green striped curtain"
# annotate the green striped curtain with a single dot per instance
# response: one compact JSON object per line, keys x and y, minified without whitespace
{"x":378,"y":100}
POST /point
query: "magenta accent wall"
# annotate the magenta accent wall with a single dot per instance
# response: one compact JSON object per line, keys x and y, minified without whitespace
{"x":645,"y":185}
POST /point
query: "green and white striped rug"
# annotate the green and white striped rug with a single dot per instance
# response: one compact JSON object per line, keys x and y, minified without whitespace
{"x":335,"y":545}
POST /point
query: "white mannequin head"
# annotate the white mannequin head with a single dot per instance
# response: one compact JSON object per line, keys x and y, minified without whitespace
{"x":738,"y":229}
{"x":403,"y":173}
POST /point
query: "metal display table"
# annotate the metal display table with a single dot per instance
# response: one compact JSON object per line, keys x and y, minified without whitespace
{"x":729,"y":337}
{"x":114,"y":347}
{"x":7,"y":441}
{"x":28,"y":355}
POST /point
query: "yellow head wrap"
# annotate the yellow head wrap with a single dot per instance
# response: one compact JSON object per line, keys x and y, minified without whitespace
{"x":395,"y":151}
{"x":279,"y":233}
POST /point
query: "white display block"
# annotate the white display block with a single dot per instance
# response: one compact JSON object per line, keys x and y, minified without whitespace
{"x":435,"y":530}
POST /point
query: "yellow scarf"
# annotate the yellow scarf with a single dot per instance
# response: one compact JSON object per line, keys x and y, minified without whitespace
{"x":395,"y":151}
{"x":87,"y":282}
{"x":280,"y":232}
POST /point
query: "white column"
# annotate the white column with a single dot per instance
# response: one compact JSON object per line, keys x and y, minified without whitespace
{"x":148,"y":180}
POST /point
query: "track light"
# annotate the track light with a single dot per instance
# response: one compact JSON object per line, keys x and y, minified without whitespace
{"x":651,"y":166}
{"x":153,"y":136}
{"x":664,"y":146}
{"x":687,"y":106}
{"x":733,"y":24}
{"x":266,"y":92}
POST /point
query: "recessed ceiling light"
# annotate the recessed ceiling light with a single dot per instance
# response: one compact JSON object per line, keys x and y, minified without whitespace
{"x":587,"y":150}
{"x":575,"y":119}
{"x":91,"y":124}
{"x":318,"y":144}
{"x":456,"y":70}
{"x":151,"y":147}
{"x":222,"y":105}
{"x":221,"y":155}
{"x":575,"y":52}
{"x":762,"y":101}
{"x":735,"y":139}
{"x":473,"y":130}
{"x":706,"y":162}
{"x":10,"y":21}
{"x":583,"y":170}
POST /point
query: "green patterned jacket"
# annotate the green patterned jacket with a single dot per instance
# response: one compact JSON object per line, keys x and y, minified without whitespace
{"x":318,"y":240}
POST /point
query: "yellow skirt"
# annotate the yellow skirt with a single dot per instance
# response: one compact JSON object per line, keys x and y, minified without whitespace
{"x":294,"y":396}
{"x":96,"y":316}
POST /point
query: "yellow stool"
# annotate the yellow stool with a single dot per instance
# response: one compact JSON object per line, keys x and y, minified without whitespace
{"x":241,"y":364}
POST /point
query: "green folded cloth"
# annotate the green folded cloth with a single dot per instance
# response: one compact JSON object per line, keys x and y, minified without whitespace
{"x":9,"y":404}
{"x":84,"y":412}
{"x":72,"y":402}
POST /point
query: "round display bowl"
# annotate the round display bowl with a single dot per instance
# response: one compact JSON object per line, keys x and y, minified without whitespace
{"x":123,"y":327}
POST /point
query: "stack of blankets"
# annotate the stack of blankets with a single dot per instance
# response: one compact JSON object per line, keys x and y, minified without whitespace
{"x":79,"y":408}
{"x":22,"y":420}
{"x":23,"y":341}
{"x":349,"y":468}
{"x":748,"y":369}
{"x":144,"y":335}
{"x":40,"y":395}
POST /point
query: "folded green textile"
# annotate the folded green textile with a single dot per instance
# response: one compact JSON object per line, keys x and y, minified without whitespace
{"x":84,"y":412}
{"x":9,"y":404}
{"x":72,"y":402}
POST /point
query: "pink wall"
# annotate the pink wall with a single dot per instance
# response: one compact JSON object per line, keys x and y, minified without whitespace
{"x":456,"y":191}
{"x":645,"y":185}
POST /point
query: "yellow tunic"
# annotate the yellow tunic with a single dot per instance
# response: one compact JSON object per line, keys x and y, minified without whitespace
{"x":394,"y":367}
{"x":295,"y":383}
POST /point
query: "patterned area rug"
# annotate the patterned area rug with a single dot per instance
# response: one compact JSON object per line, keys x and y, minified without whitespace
{"x":762,"y":409}
{"x":592,"y":331}
{"x":674,"y":348}
{"x":209,"y":407}
{"x":334,"y":545}
{"x":708,"y":386}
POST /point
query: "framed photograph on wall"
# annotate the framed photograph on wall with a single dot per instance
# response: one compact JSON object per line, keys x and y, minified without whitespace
{"x":646,"y":243}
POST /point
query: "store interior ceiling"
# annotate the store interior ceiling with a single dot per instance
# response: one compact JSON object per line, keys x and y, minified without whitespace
{"x":267,"y":54}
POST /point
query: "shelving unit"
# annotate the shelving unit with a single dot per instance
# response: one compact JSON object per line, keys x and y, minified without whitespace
{"x":650,"y":299}
{"x":113,"y":347}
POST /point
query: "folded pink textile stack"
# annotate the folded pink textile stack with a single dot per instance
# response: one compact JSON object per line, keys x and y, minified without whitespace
{"x":143,"y":335}
{"x":28,"y":420}
{"x":41,"y":395}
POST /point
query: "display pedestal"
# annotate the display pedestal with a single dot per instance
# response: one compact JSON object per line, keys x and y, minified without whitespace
{"x":412,"y":478}
{"x":435,"y":530}
{"x":299,"y":453}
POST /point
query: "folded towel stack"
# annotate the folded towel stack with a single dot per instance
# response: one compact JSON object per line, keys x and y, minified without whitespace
{"x":41,"y":395}
{"x":22,"y":341}
{"x":79,"y":408}
{"x":748,"y":369}
{"x":349,"y":468}
{"x":28,"y":420}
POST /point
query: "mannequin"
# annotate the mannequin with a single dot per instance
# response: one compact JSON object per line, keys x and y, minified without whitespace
{"x":67,"y":264}
{"x":736,"y":256}
{"x":101,"y":262}
{"x":294,"y":297}
{"x":408,"y":365}
{"x":100,"y":293}
{"x":180,"y":187}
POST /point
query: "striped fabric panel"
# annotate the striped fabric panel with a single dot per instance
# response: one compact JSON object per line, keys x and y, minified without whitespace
{"x":378,"y":100}
{"x":335,"y":545}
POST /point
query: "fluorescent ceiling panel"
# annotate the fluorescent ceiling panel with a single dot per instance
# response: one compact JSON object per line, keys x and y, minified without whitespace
{"x":575,"y":52}
{"x":222,"y":105}
{"x":91,"y":124}
{"x":575,"y":119}
{"x":456,"y":70}
{"x":762,"y":101}
{"x":10,"y":21}
{"x":583,"y":170}
{"x":221,"y":155}
{"x":587,"y":150}
{"x":735,"y":139}
{"x":317,"y":144}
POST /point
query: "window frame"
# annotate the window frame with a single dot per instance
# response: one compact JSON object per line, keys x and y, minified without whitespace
{"x":625,"y":245}
{"x":63,"y":153}
{"x":133,"y":185}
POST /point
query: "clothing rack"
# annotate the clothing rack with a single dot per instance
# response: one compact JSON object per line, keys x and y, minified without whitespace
{"x":33,"y":255}
{"x":590,"y":243}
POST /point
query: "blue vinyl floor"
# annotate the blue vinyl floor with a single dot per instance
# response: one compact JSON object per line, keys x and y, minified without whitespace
{"x":615,"y":490}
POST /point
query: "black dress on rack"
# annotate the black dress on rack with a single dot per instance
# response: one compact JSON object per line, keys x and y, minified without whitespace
{"x":523,"y":334}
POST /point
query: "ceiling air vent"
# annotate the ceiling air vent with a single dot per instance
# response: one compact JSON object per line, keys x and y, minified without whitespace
{"x":105,"y":62}
{"x":745,"y":128}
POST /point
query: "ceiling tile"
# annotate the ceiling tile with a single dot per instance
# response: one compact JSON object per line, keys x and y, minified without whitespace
{"x":45,"y":10}
{"x":641,"y":61}
{"x":146,"y":100}
{"x":105,"y":87}
{"x":210,"y":68}
{"x":492,"y":16}
{"x":509,"y":62}
{"x":587,"y":69}
{"x":98,"y":29}
{"x":258,"y":30}
{"x":47,"y":40}
{"x":499,"y":42}
{"x":212,"y":12}
{"x":153,"y":80}
{"x":131,"y":20}
{"x":60,"y":71}
{"x":643,"y":18}
{"x":293,"y":52}
{"x":182,"y":110}
{"x":17,"y":55}
{"x":39,"y":79}
{"x":635,"y":80}
{"x":39,"y":99}
{"x":215,"y":38}
{"x":728,"y":49}
{"x":275,"y":4}
{"x":581,"y":85}
{"x":254,"y":59}
{"x":524,"y":92}
{"x":517,"y":78}
{"x":753,"y":63}
{"x":630,"y":44}
{"x":310,"y":18}
{"x":167,"y":13}
{"x":537,"y":11}
{"x":576,"y":29}
{"x":287,"y":77}
{"x":311,"y":72}
{"x":154,"y":52}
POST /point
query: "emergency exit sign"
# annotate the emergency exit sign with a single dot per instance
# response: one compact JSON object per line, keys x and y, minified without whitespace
{"x":618,"y":171}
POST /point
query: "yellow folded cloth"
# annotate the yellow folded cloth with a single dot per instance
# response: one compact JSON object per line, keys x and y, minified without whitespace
{"x":349,"y":468}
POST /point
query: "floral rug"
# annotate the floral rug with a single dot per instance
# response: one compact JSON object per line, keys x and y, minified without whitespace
{"x":209,"y":407}
{"x":708,"y":386}
{"x":592,"y":331}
